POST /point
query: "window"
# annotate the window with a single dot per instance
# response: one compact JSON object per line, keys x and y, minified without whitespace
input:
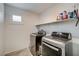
{"x":16,"y":18}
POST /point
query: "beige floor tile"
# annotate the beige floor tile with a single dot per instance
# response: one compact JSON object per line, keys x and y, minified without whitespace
{"x":24,"y":52}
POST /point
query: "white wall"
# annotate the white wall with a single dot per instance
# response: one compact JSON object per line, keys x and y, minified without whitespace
{"x":1,"y":27}
{"x":51,"y":13}
{"x":18,"y":35}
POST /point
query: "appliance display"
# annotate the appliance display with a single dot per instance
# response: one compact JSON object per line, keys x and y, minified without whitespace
{"x":58,"y":44}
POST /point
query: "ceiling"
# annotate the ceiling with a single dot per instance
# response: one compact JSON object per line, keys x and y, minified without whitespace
{"x":34,"y":7}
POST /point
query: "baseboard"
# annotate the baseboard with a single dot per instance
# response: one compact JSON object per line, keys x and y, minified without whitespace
{"x":8,"y":52}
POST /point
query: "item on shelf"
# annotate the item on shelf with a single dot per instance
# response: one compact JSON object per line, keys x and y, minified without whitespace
{"x":74,"y":15}
{"x":65,"y":15}
{"x":77,"y":16}
{"x":71,"y":14}
{"x":76,"y":12}
{"x":58,"y":18}
{"x":61,"y":16}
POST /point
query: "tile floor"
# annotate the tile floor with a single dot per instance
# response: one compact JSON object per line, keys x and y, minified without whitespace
{"x":24,"y":52}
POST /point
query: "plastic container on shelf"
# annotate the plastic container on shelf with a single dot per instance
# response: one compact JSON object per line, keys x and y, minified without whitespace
{"x":58,"y":18}
{"x":61,"y":16}
{"x":65,"y":15}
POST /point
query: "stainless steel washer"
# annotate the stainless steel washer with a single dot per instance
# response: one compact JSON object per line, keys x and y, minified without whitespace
{"x":56,"y":46}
